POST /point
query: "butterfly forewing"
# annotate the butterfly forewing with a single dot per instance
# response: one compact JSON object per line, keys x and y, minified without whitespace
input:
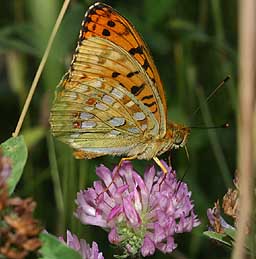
{"x":103,"y":21}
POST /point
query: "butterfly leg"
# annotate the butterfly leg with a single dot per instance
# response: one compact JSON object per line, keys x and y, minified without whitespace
{"x":164,"y":170}
{"x":125,"y":159}
{"x":119,"y":166}
{"x":160,"y":164}
{"x":170,"y":159}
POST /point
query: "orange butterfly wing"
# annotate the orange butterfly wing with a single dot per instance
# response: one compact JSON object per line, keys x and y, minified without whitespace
{"x":112,"y":100}
{"x":103,"y":21}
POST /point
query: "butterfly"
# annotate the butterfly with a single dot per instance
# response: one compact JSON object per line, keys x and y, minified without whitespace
{"x":112,"y":101}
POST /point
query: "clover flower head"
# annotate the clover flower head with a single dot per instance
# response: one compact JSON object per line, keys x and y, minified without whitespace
{"x":5,"y":168}
{"x":140,"y":214}
{"x":82,"y":247}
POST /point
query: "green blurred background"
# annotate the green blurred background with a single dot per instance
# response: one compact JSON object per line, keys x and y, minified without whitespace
{"x":194,"y":45}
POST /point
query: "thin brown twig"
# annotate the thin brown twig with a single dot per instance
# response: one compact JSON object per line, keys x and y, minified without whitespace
{"x":40,"y":68}
{"x":247,"y":84}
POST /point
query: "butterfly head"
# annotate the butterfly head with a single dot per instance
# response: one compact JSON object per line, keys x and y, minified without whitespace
{"x":179,"y":135}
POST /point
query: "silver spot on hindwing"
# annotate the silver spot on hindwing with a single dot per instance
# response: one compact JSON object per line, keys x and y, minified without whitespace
{"x":96,"y":83}
{"x":134,"y":130}
{"x":117,"y":93}
{"x":114,"y":133}
{"x":88,"y":124}
{"x":139,"y":116}
{"x":101,"y":106}
{"x":86,"y":116}
{"x":108,"y":99}
{"x":117,"y":121}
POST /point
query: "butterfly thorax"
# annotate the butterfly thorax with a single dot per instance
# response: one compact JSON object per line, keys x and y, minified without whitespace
{"x":175,"y":137}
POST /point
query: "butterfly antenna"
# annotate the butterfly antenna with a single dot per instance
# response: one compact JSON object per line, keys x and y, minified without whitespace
{"x":183,"y":176}
{"x":169,"y":159}
{"x":209,"y":97}
{"x":222,"y":126}
{"x":187,"y":153}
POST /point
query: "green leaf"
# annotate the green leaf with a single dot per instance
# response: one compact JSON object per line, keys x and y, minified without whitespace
{"x":54,"y":249}
{"x":33,"y":135}
{"x":16,"y":150}
{"x":223,"y":238}
{"x":231,"y":232}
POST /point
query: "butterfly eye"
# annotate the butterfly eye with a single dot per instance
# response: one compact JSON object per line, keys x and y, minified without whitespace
{"x":178,"y":140}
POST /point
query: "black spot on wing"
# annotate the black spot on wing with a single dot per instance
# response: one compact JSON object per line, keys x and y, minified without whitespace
{"x":106,"y":32}
{"x":147,"y":97}
{"x":146,"y":64}
{"x":137,"y":50}
{"x":150,"y":104}
{"x":137,"y":89}
{"x":111,"y":24}
{"x":115,"y":74}
{"x":132,"y":73}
